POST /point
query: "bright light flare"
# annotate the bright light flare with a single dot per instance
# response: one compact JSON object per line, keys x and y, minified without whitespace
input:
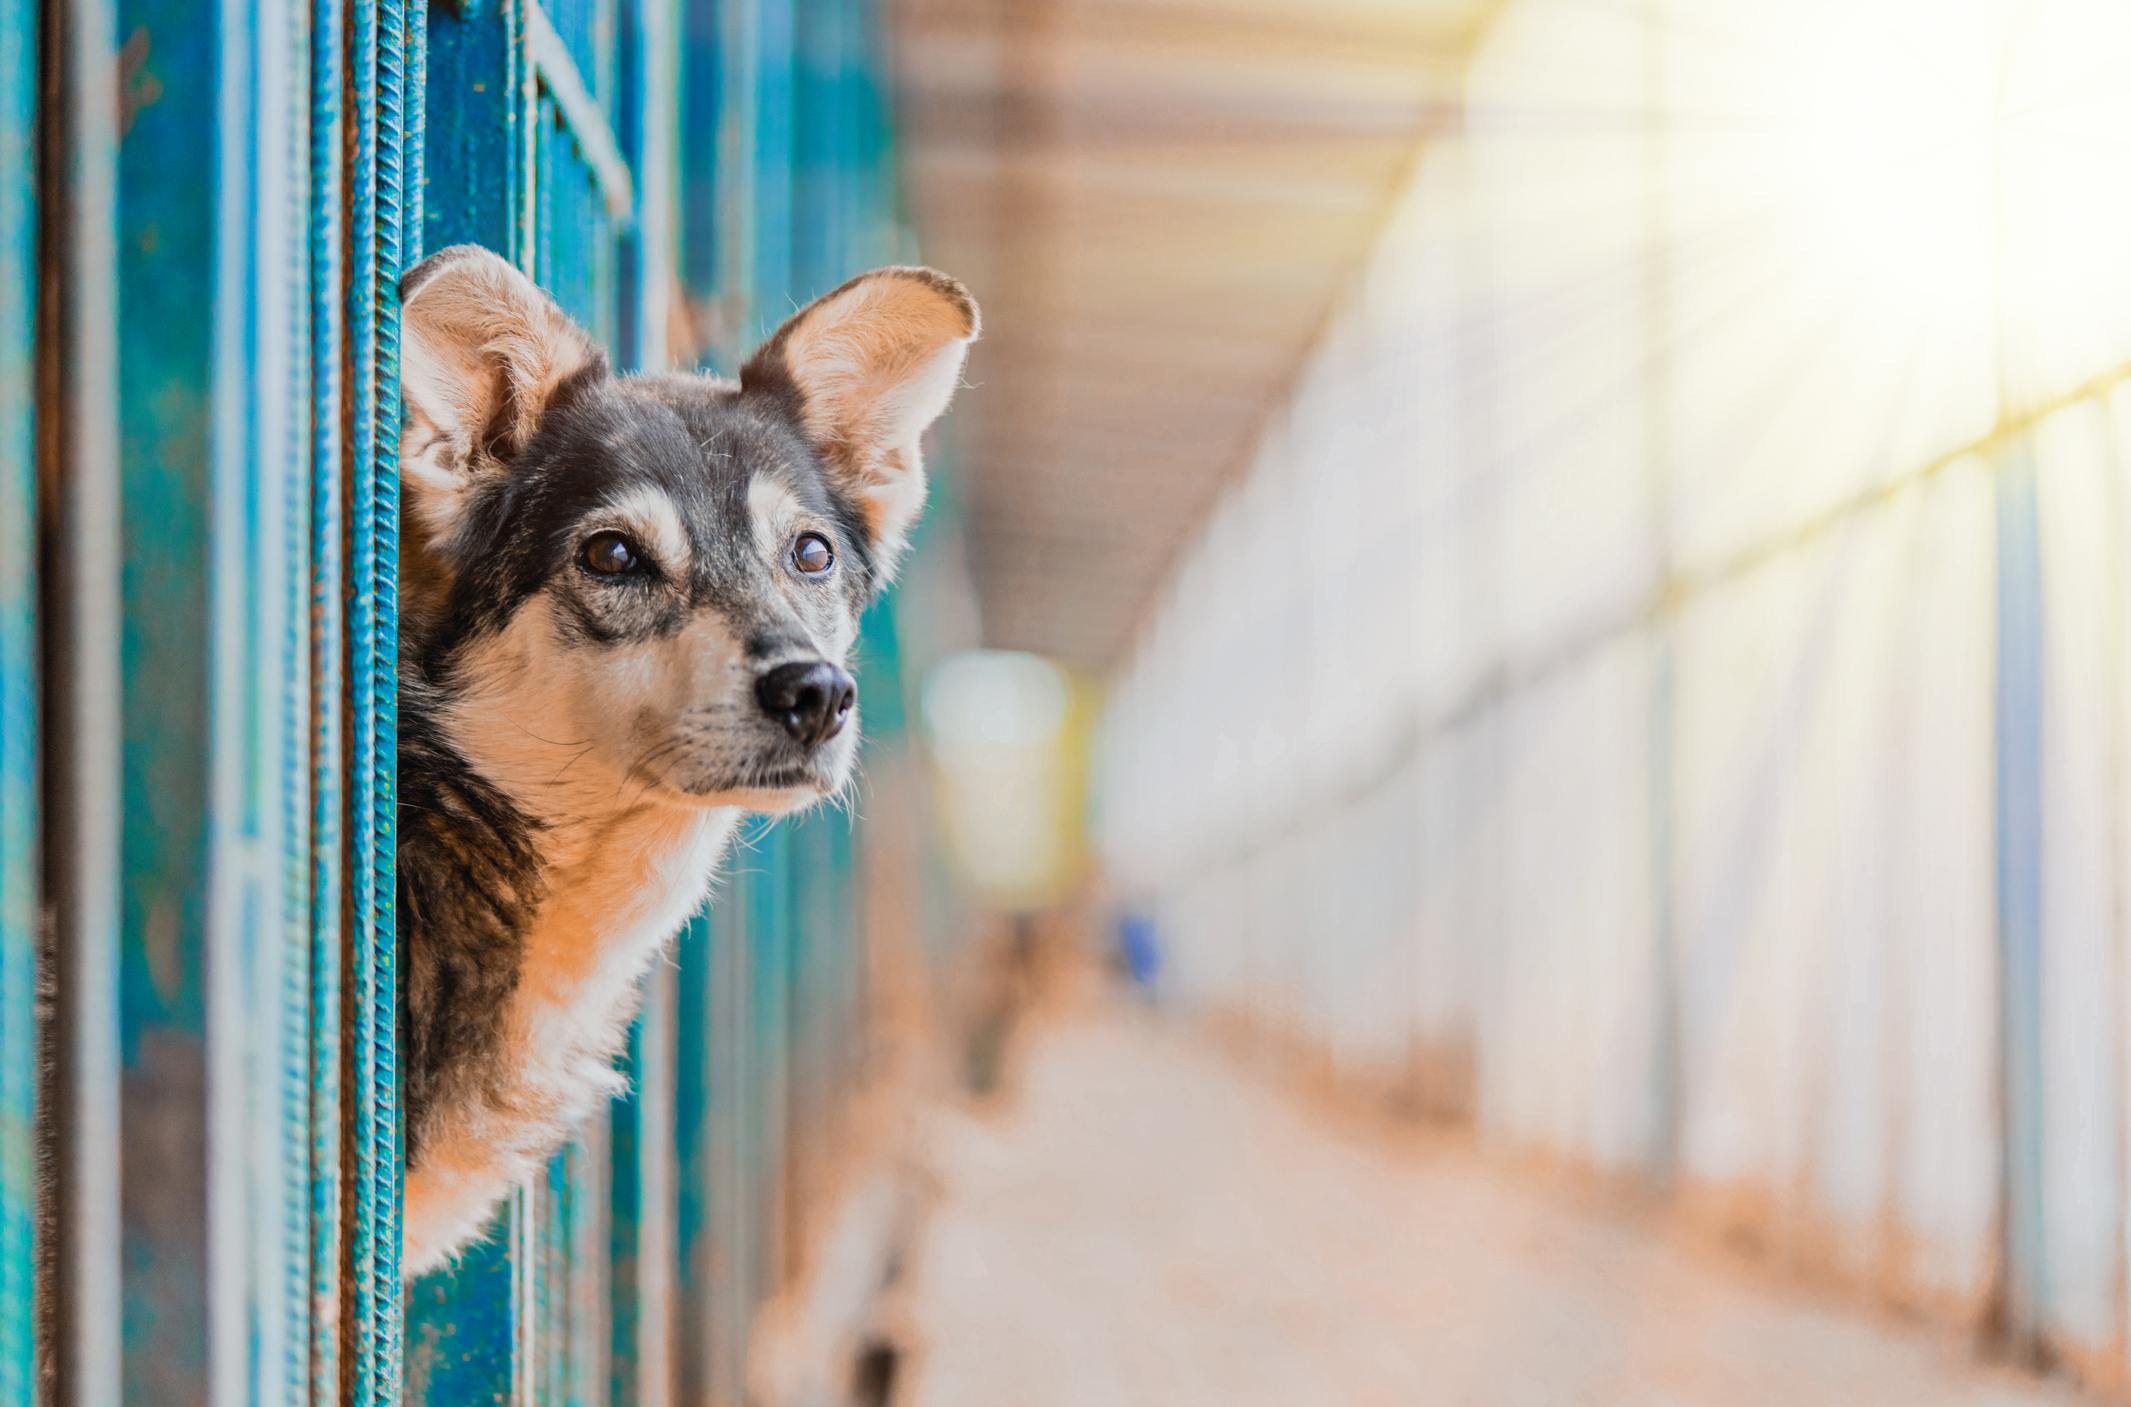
{"x":1889,"y":156}
{"x":1963,"y":160}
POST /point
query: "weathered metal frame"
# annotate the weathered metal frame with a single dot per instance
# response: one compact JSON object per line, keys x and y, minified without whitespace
{"x":198,"y":506}
{"x":18,"y":699}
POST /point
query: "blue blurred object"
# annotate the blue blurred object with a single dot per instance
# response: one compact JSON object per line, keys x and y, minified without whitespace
{"x":1142,"y":950}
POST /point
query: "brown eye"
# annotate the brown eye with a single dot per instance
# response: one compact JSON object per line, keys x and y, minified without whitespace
{"x":608,"y":553}
{"x":811,"y":555}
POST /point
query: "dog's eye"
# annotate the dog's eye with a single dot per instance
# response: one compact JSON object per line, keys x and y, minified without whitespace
{"x":608,"y":553}
{"x":811,"y":554}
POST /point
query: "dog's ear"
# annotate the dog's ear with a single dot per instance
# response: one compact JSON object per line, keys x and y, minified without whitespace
{"x":863,"y":371}
{"x":482,"y":352}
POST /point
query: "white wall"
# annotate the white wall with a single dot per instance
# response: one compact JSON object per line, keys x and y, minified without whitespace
{"x":1599,"y":663}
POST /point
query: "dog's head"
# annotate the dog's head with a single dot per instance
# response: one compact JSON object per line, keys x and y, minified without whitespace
{"x":649,"y":586}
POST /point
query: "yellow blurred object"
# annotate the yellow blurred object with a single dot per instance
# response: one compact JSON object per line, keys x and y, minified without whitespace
{"x":1007,"y":734}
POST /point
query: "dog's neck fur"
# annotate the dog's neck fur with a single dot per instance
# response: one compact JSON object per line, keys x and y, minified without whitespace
{"x":531,"y":921}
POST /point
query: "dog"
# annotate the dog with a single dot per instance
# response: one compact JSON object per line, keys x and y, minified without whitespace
{"x":627,"y":603}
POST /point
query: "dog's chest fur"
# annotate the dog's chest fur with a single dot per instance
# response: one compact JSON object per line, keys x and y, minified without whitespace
{"x":527,"y":941}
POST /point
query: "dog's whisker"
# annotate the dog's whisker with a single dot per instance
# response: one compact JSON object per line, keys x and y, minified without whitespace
{"x":587,"y":742}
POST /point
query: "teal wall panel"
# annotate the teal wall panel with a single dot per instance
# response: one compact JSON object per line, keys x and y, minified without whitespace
{"x":166,"y":252}
{"x":470,"y":151}
{"x":461,"y":1325}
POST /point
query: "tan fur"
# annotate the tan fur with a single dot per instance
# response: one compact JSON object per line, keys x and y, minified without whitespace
{"x":777,"y":515}
{"x":627,"y":884}
{"x":877,"y":361}
{"x":483,"y":349}
{"x":649,"y":516}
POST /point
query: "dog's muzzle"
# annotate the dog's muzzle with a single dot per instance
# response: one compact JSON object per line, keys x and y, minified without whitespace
{"x":809,"y":699}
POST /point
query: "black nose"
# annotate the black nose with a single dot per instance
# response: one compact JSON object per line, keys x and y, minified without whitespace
{"x":810,"y":698}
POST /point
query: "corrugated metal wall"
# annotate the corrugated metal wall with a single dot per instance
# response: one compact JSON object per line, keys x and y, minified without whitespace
{"x":1668,"y":658}
{"x":204,"y":214}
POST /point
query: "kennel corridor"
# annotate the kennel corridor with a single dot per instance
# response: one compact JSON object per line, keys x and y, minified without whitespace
{"x":1142,"y":1221}
{"x":1596,"y":532}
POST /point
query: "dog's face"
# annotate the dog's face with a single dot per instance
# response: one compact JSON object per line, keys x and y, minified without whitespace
{"x":629,"y":589}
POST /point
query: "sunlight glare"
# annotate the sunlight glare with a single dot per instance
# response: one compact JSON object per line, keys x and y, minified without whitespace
{"x":1891,"y":151}
{"x":1941,"y":156}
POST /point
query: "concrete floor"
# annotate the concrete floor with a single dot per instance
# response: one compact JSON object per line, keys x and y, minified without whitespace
{"x":1138,"y":1223}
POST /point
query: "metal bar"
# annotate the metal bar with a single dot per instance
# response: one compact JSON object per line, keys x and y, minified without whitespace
{"x":589,"y":1270}
{"x":729,"y":1172}
{"x":643,"y":1225}
{"x":2018,"y":745}
{"x":626,"y":1245}
{"x":735,"y":179}
{"x":769,"y":920}
{"x":654,"y":91}
{"x":700,"y":140}
{"x":1667,"y":1070}
{"x":546,"y":1371}
{"x":697,"y":1267}
{"x":414,"y":132}
{"x":540,"y":214}
{"x":631,"y":104}
{"x":257,"y":1133}
{"x":524,"y":1223}
{"x":293,"y":268}
{"x":80,"y":617}
{"x":167,"y":255}
{"x":522,"y":132}
{"x":770,"y":169}
{"x":328,"y":643}
{"x":581,"y":113}
{"x":380,"y":233}
{"x":18,"y":697}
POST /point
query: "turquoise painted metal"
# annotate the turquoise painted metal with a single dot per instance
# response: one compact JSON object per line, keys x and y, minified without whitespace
{"x":212,"y":352}
{"x":386,"y":88}
{"x":166,"y":365}
{"x":326,"y":890}
{"x":206,"y":821}
{"x":18,"y":697}
{"x":561,"y":173}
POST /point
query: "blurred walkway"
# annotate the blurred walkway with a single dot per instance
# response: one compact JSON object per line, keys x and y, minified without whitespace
{"x":1142,"y":1225}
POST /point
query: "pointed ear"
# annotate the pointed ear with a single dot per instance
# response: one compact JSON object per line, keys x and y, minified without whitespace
{"x":482,"y":351}
{"x":864,"y":370}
